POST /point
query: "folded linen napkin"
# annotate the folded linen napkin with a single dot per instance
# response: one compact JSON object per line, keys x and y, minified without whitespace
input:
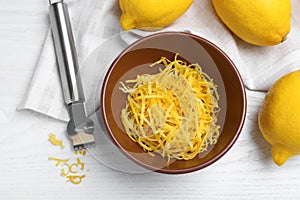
{"x":96,"y":28}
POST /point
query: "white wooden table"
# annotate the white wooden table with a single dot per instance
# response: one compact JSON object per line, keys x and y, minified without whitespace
{"x":245,"y":172}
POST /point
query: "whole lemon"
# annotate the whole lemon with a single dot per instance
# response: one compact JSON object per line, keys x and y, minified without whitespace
{"x":259,"y":22}
{"x":151,"y":14}
{"x":279,"y":117}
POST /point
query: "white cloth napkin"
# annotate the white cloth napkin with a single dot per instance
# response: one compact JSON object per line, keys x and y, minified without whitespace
{"x":98,"y":33}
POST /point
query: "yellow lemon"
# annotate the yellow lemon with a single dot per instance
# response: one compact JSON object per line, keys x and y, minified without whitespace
{"x":279,"y":117}
{"x":151,"y":14}
{"x":259,"y":22}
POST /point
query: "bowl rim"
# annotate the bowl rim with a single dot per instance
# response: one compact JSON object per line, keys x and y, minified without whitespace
{"x":163,"y":170}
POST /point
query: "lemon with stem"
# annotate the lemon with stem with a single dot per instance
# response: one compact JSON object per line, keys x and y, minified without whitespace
{"x":259,"y":22}
{"x":279,"y":119}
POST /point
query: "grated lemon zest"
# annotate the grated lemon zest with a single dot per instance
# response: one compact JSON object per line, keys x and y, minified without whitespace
{"x":173,"y":112}
{"x":75,"y":179}
{"x":58,"y":160}
{"x":55,"y":141}
{"x":73,"y":171}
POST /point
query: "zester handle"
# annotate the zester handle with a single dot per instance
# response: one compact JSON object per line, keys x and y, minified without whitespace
{"x":65,"y":52}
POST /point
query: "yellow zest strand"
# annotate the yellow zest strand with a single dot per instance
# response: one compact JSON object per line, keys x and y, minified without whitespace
{"x":75,"y":179}
{"x":80,"y":163}
{"x":71,"y":168}
{"x":63,"y":172}
{"x":58,"y":160}
{"x":55,"y":141}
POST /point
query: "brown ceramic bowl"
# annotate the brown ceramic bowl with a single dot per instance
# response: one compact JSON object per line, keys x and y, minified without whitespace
{"x":135,"y":60}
